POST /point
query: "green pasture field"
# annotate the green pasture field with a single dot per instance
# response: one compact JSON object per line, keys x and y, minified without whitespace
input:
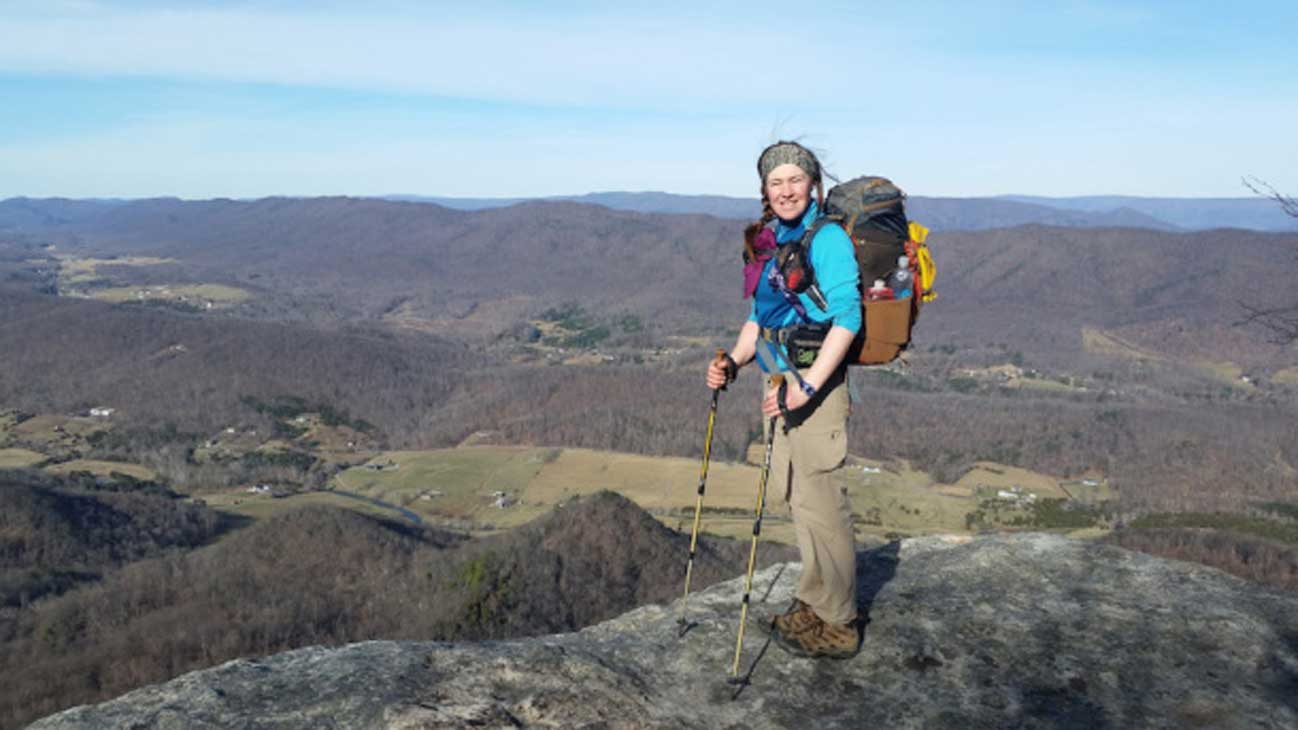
{"x":458,"y":485}
{"x":447,"y":484}
{"x":995,"y":476}
{"x":883,"y":505}
{"x":19,"y":458}
{"x":103,"y":468}
{"x":1088,"y":494}
{"x":74,"y":270}
{"x":1227,"y":373}
{"x":1048,"y":385}
{"x":48,"y":431}
{"x":218,"y":294}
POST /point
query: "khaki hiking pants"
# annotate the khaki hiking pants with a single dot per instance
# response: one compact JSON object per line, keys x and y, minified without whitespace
{"x":801,"y":465}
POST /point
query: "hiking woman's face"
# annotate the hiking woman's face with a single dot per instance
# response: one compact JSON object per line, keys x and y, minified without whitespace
{"x":788,"y":188}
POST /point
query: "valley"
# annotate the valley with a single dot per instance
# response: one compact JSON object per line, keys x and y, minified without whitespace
{"x":339,"y":419}
{"x":485,"y":489}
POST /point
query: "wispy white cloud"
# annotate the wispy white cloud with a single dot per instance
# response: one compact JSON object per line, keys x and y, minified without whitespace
{"x":948,"y":97}
{"x":628,"y":61}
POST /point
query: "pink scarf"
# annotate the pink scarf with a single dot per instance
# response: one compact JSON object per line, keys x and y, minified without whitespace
{"x":764,"y":247}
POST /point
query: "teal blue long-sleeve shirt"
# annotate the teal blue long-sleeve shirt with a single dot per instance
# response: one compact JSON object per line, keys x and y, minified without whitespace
{"x":837,"y":275}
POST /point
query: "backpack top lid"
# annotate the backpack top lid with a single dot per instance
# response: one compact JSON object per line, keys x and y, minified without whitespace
{"x":871,"y":209}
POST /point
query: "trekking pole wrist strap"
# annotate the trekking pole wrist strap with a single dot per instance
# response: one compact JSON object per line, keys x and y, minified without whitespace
{"x":782,"y":400}
{"x":730,"y":366}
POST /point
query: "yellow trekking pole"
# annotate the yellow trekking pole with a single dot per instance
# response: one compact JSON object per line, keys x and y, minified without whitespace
{"x":776,"y":382}
{"x":683,"y":622}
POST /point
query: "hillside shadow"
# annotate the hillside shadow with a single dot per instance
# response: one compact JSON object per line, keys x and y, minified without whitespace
{"x":229,"y":523}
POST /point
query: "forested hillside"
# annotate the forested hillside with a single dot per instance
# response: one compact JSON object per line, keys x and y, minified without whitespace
{"x":324,"y":576}
{"x":56,"y":533}
{"x":477,"y":274}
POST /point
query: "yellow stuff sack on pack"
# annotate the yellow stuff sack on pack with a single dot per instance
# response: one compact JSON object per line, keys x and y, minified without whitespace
{"x":926,"y":270}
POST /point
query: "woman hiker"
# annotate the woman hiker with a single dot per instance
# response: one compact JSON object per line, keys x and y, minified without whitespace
{"x":822,"y":622}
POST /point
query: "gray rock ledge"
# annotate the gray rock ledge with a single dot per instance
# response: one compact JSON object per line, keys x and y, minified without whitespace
{"x":1005,"y":631}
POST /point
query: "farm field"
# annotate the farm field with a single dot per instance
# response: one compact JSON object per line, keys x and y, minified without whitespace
{"x":81,"y":277}
{"x":487,"y":488}
{"x":19,"y":458}
{"x":1089,"y":491}
{"x":988,"y":475}
{"x":262,"y":506}
{"x":74,"y":270}
{"x":218,"y":294}
{"x":53,"y":428}
{"x":1287,"y":376}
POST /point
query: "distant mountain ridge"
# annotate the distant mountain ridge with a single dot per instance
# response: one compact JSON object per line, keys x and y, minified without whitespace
{"x":938,"y":213}
{"x":35,"y":213}
{"x":718,"y":206}
{"x":1190,"y":213}
{"x":970,"y":214}
{"x":430,"y":261}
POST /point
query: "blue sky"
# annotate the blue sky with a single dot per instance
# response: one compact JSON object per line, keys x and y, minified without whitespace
{"x":244,"y":99}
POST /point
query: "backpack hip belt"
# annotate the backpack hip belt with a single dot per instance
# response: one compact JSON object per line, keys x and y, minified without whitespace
{"x":802,"y":341}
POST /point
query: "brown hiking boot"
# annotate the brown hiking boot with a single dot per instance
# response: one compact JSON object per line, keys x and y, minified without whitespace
{"x":797,"y":619}
{"x":822,"y":640}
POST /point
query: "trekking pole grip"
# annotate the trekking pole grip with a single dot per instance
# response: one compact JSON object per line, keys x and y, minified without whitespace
{"x":777,"y":382}
{"x":728,"y":366}
{"x":781,"y":392}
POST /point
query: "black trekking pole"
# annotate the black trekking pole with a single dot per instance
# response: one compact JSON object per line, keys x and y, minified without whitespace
{"x":777,"y":381}
{"x":683,"y":621}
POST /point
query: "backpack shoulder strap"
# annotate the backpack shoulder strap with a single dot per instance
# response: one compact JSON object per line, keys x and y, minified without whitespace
{"x":813,"y":291}
{"x":810,"y":234}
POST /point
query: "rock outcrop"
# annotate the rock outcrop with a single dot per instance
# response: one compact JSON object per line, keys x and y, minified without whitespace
{"x":1020,"y":631}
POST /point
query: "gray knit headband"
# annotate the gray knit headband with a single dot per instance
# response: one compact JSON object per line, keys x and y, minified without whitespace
{"x":787,"y":153}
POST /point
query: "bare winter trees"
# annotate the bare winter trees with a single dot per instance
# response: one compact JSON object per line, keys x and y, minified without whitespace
{"x":1281,"y":322}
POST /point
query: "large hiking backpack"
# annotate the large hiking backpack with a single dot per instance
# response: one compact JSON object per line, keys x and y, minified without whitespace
{"x":872,"y":211}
